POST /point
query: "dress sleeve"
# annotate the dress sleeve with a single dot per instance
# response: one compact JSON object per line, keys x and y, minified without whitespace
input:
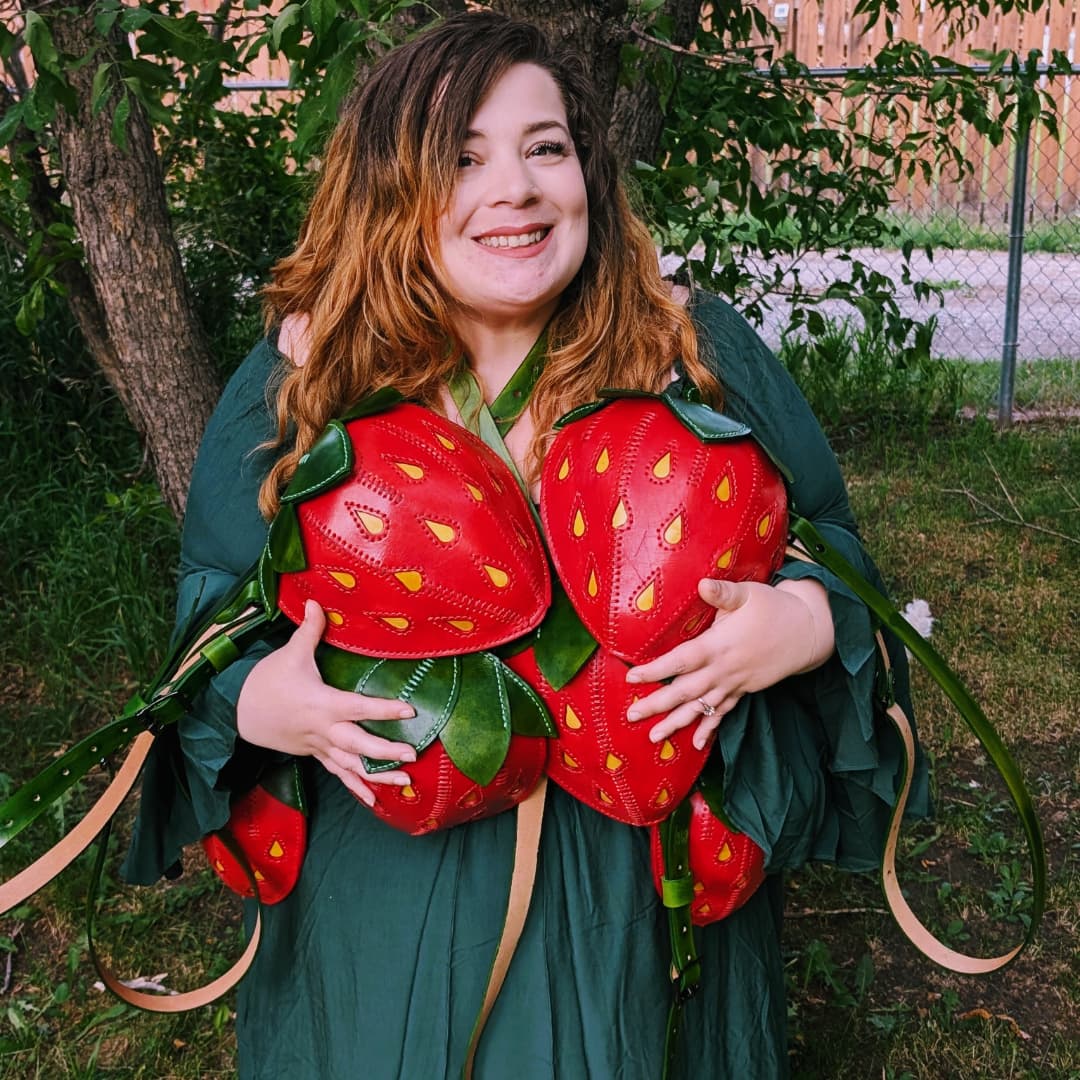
{"x":810,"y":768}
{"x":196,"y":764}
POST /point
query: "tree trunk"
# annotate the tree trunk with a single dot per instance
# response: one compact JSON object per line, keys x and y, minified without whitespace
{"x":637,"y":118}
{"x":159,"y":363}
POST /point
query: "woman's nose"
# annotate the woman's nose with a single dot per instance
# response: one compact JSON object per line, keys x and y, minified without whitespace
{"x":513,"y":181}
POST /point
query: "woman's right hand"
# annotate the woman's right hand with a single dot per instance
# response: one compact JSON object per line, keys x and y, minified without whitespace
{"x":285,"y":705}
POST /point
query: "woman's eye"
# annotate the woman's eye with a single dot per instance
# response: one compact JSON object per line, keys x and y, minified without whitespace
{"x":552,"y":147}
{"x":465,"y":159}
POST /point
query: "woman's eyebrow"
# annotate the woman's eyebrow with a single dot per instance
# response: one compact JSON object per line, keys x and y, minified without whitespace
{"x":531,"y":129}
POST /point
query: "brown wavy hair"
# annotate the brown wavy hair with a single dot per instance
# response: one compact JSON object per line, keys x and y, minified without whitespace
{"x":364,"y":268}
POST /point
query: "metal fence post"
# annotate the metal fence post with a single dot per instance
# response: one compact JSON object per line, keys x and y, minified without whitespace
{"x":1016,"y":258}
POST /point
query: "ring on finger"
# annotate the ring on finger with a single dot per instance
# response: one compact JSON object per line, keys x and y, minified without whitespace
{"x":706,"y":708}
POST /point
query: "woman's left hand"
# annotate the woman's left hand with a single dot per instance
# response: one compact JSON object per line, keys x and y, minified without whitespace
{"x":760,"y":635}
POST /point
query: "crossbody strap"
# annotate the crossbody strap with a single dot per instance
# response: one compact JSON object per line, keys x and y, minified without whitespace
{"x":814,"y":548}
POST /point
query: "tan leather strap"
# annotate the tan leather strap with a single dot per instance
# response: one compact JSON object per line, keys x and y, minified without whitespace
{"x":910,"y":925}
{"x":40,"y":872}
{"x":530,"y":818}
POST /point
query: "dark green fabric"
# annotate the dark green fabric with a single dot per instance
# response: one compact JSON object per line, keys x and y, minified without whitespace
{"x":376,"y":965}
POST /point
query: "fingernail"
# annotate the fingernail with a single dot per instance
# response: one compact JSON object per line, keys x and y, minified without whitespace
{"x":402,"y":781}
{"x":655,"y":736}
{"x":633,"y":676}
{"x":368,"y":799}
{"x":408,"y":755}
{"x":406,"y":712}
{"x":633,"y":715}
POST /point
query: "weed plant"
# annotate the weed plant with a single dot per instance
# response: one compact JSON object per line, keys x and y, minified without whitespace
{"x":952,"y":230}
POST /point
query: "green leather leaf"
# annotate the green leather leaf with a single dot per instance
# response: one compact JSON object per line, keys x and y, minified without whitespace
{"x":429,"y":686}
{"x":562,"y":642}
{"x":284,"y":542}
{"x":578,"y":414}
{"x":382,"y":399}
{"x":324,"y":465}
{"x":477,"y":735}
{"x":528,"y":714}
{"x":268,"y":581}
{"x":705,"y":423}
{"x":711,"y":785}
{"x":285,"y":783}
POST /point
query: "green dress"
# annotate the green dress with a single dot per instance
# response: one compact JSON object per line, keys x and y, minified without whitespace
{"x":375,"y":966}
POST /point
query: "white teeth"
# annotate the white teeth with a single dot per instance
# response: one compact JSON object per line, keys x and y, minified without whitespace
{"x":513,"y":241}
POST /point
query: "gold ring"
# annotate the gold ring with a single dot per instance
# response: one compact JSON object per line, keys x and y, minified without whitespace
{"x":706,"y":708}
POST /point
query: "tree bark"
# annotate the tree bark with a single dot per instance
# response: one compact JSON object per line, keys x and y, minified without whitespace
{"x":637,"y":117}
{"x":160,"y":363}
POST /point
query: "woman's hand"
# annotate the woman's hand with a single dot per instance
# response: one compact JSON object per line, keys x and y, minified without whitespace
{"x":285,"y":705}
{"x":760,"y":635}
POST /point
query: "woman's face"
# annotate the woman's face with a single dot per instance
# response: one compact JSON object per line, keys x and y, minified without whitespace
{"x":517,"y":226}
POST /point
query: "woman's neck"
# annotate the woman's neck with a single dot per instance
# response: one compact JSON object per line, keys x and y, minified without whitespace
{"x":495,"y":352}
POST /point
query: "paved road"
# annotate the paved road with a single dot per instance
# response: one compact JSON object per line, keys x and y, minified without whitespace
{"x":972,"y":321}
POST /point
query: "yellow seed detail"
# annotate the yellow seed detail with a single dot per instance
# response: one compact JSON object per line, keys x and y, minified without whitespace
{"x":335,"y":617}
{"x":475,"y":492}
{"x":410,"y":579}
{"x":612,"y":763}
{"x":618,"y":519}
{"x":449,"y":444}
{"x":725,"y":560}
{"x":440,"y":531}
{"x":396,"y":621}
{"x":570,"y":761}
{"x":413,"y":472}
{"x":465,"y":625}
{"x":692,"y":624}
{"x":579,"y":524}
{"x":593,"y":587}
{"x":663,"y":797}
{"x":219,"y":867}
{"x":276,"y":850}
{"x":704,"y":909}
{"x":409,"y":792}
{"x":564,"y":468}
{"x":662,"y":468}
{"x":372,"y":522}
{"x":604,"y":796}
{"x":699,"y":887}
{"x":499,"y":578}
{"x":673,"y":533}
{"x":470,"y":798}
{"x":258,"y":876}
{"x":344,"y":579}
{"x":763,"y":526}
{"x":646,"y":598}
{"x":723,"y":490}
{"x":571,"y":719}
{"x":603,"y":461}
{"x":667,"y":750}
{"x":725,"y":853}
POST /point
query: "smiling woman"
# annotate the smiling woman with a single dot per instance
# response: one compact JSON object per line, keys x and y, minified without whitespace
{"x":470,"y":267}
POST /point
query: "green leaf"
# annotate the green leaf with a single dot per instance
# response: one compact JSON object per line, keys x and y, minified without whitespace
{"x":326,"y":464}
{"x":31,"y":309}
{"x":100,"y":89}
{"x":563,"y":644}
{"x":119,"y":122}
{"x":322,"y":14}
{"x":477,"y":735}
{"x":9,"y":122}
{"x":39,"y":40}
{"x":291,"y":18}
{"x":528,"y":714}
{"x":284,"y":544}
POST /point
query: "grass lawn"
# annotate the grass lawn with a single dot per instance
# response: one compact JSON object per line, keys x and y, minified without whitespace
{"x":985,"y":527}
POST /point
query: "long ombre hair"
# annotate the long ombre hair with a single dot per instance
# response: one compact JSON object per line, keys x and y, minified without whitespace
{"x":364,"y":270}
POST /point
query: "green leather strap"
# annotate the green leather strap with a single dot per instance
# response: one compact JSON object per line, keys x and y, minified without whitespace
{"x":677,"y":890}
{"x":514,"y":396}
{"x":821,"y":551}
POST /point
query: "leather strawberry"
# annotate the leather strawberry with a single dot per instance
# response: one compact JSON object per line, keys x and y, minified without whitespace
{"x":412,"y":535}
{"x":599,"y":756}
{"x":643,"y":495}
{"x":269,"y":826}
{"x":727,"y":866}
{"x":480,"y":733}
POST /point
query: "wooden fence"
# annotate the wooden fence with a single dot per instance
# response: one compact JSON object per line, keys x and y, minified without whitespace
{"x":824,"y":34}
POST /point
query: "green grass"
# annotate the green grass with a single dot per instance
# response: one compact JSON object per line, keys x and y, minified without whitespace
{"x":955,"y":513}
{"x":947,"y":229}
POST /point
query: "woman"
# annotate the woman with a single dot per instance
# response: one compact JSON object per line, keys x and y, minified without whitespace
{"x":468,"y":204}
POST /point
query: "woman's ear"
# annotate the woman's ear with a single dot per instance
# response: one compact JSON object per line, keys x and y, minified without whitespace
{"x":294,"y":341}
